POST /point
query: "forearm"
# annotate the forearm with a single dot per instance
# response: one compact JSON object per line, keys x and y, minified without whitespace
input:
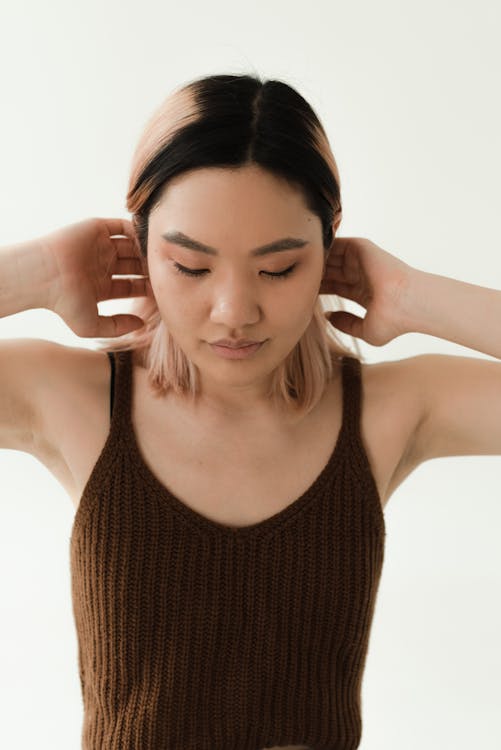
{"x":464,"y":313}
{"x":24,"y":278}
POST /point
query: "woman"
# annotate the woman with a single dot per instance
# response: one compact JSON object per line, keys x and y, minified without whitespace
{"x":231,"y":470}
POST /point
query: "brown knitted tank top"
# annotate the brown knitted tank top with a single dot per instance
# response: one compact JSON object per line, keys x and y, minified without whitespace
{"x":196,"y":636}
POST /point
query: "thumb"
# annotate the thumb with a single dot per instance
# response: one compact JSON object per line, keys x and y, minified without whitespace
{"x":110,"y":326}
{"x":346,"y":322}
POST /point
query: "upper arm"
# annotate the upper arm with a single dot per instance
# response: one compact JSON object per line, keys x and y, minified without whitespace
{"x":461,"y":409}
{"x":24,"y":363}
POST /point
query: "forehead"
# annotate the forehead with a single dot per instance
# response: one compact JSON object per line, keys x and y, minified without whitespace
{"x":249,"y":185}
{"x":241,"y":209}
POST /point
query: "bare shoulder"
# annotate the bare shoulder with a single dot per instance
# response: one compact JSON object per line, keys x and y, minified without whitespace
{"x":65,"y":372}
{"x":32,"y":373}
{"x":392,"y":410}
{"x":71,"y":397}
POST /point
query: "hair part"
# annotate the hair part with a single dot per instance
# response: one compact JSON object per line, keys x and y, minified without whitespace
{"x":233,"y":121}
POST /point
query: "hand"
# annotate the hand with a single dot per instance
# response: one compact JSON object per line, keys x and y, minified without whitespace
{"x":359,"y":270}
{"x":82,"y":258}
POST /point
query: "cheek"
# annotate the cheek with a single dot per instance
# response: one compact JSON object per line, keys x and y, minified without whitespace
{"x":293,"y":311}
{"x":177,"y":311}
{"x":303,"y":295}
{"x":301,"y":309}
{"x":174,"y":305}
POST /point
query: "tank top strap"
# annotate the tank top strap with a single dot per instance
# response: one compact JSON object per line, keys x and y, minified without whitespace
{"x":112,"y":381}
{"x":120,"y":388}
{"x":352,"y":396}
{"x":121,"y":396}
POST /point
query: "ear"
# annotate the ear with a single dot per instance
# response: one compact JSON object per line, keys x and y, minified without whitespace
{"x":337,"y":220}
{"x":335,"y":224}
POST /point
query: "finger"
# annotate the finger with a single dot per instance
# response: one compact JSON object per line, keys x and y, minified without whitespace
{"x":334,"y":274}
{"x":128,"y":257}
{"x":339,"y":246}
{"x":125,"y":288}
{"x":109,"y":326}
{"x":343,"y":290}
{"x":126,"y":247}
{"x":119,"y":226}
{"x":129,"y":266}
{"x":333,"y":264}
{"x":346,"y":322}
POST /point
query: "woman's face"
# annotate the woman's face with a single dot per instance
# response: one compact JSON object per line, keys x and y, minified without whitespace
{"x":234,"y":294}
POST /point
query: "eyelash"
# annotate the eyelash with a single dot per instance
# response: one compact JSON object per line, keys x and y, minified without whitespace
{"x":202,"y":271}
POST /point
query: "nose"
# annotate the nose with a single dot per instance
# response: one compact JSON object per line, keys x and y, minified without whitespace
{"x":235,"y":305}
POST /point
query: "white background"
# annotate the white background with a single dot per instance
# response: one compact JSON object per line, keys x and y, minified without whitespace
{"x":409,"y":95}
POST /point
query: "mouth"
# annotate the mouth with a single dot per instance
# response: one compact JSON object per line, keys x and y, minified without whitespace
{"x":237,"y":352}
{"x":240,"y":345}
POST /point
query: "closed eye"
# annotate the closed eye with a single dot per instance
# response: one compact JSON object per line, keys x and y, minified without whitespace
{"x":203,"y":271}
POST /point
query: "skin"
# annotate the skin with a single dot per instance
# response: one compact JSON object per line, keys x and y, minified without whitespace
{"x":234,"y":211}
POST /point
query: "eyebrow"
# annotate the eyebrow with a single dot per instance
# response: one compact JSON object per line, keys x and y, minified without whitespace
{"x":287,"y":243}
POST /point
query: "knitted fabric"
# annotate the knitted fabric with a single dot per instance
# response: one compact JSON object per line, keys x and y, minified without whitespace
{"x":196,"y":636}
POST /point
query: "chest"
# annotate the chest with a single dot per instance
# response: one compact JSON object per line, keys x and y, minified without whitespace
{"x":236,"y":477}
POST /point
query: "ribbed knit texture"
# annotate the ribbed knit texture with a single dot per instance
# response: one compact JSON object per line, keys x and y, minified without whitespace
{"x":196,"y":636}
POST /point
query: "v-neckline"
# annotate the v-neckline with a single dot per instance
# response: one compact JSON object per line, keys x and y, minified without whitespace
{"x":203,"y":523}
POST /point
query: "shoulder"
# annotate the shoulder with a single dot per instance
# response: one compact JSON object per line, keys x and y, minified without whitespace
{"x":399,"y":378}
{"x":67,"y":373}
{"x":75,"y":381}
{"x":78,"y":375}
{"x":396,"y":386}
{"x":72,"y":396}
{"x":66,"y":382}
{"x":43,"y":371}
{"x":392,"y":409}
{"x":72,"y":367}
{"x":50,"y":392}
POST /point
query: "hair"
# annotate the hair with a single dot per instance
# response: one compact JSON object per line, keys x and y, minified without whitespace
{"x":229,"y":121}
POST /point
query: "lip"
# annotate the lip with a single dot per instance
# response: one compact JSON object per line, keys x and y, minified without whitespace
{"x":231,"y":344}
{"x":241,"y":352}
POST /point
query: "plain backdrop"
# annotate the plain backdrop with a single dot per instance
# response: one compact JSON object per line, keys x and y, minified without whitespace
{"x":409,"y":95}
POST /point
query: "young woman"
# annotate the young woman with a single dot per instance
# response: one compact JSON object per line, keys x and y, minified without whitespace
{"x":228,"y":459}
